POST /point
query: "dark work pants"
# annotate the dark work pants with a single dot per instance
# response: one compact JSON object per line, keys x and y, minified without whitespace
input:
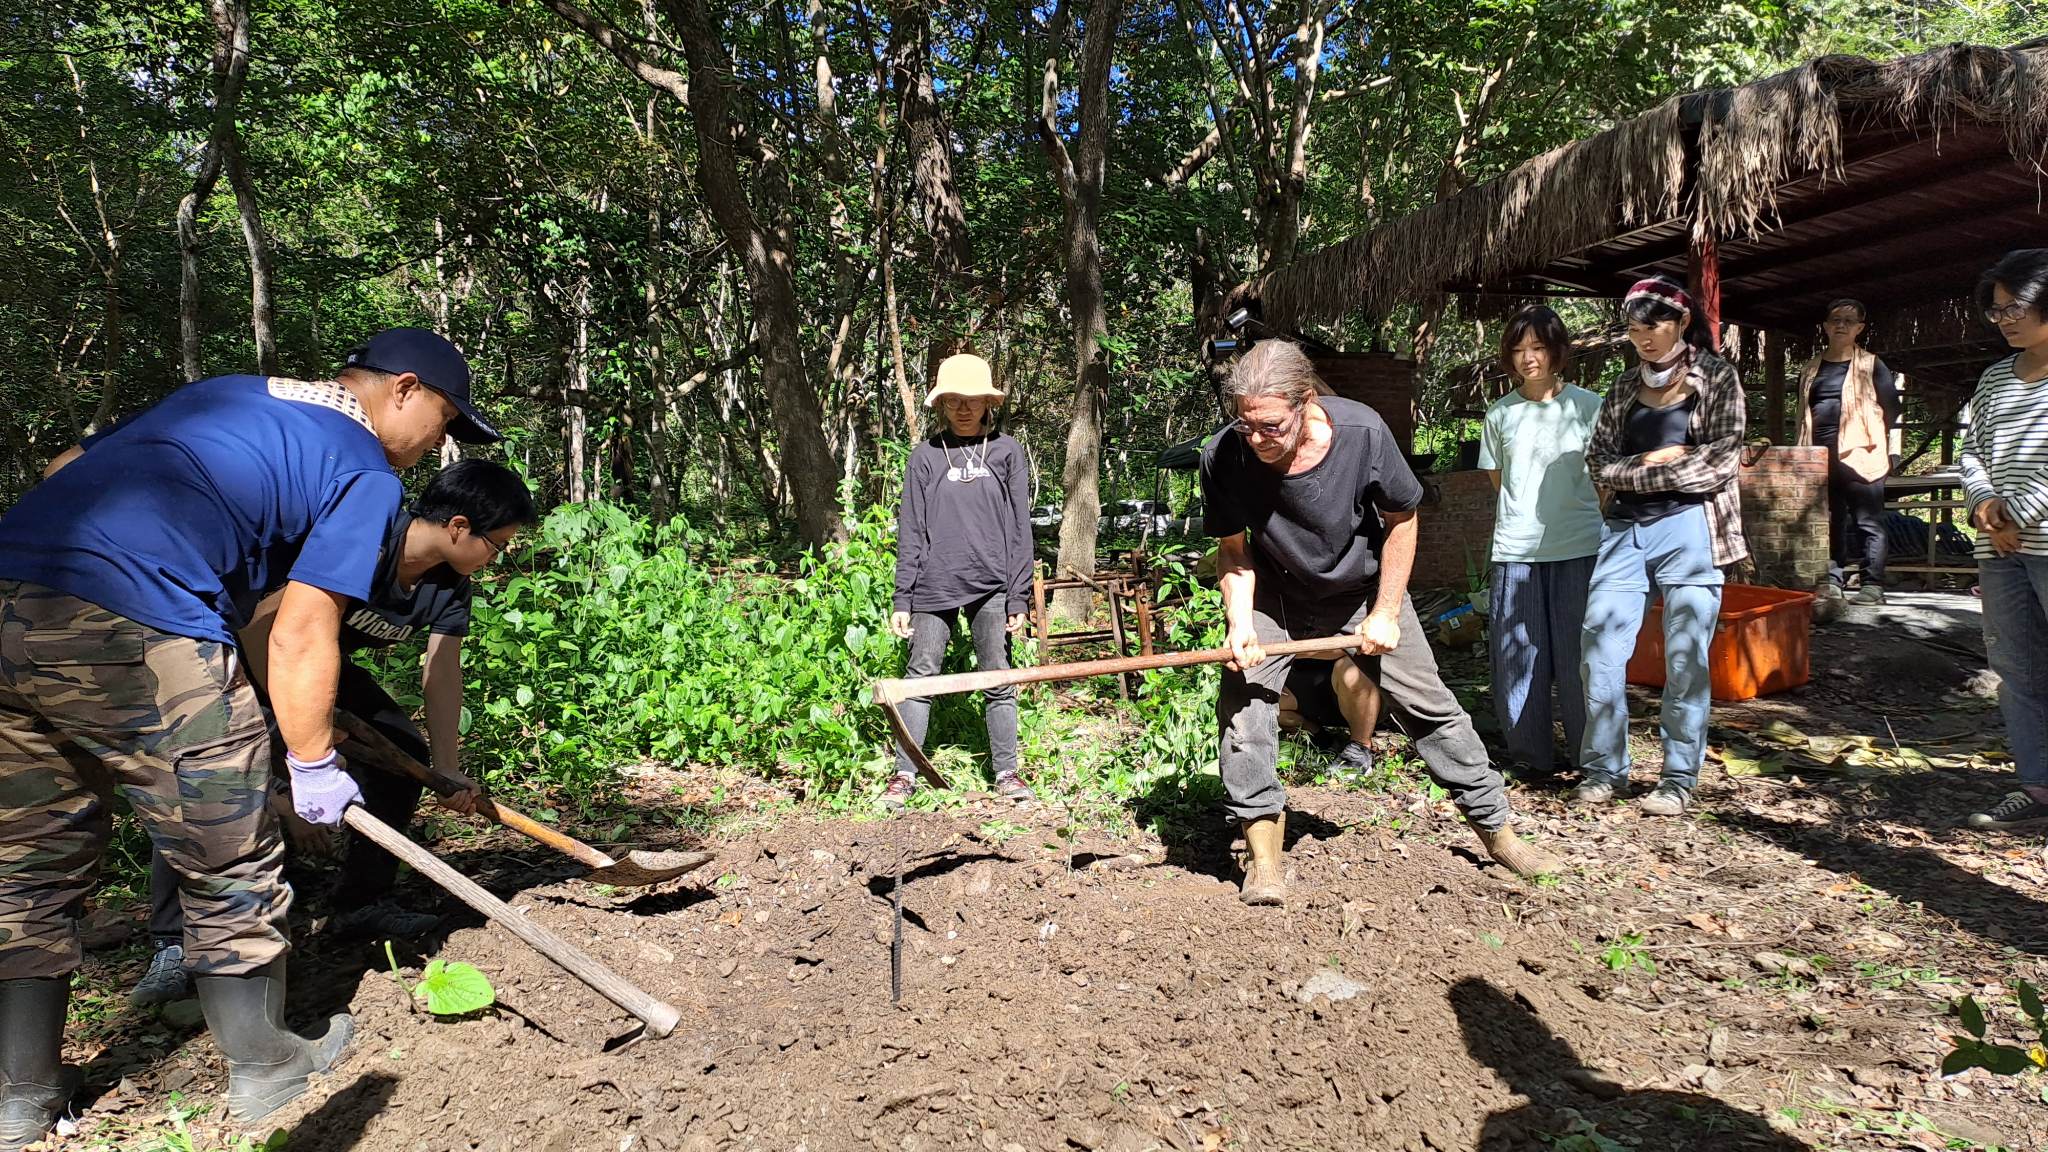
{"x":369,"y":872}
{"x":1538,"y":617}
{"x":930,"y":633}
{"x":1855,"y":522}
{"x":1247,"y":710}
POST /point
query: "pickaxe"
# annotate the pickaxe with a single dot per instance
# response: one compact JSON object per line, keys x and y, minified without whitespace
{"x":638,"y":870}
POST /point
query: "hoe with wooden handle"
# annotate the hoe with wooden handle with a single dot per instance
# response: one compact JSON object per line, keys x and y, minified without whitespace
{"x":660,"y":1017}
{"x":892,"y":692}
{"x":638,"y":870}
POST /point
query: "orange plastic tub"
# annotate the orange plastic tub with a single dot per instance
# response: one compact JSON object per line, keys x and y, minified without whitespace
{"x":1761,"y":643}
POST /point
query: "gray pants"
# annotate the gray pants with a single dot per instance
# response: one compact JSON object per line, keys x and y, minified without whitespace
{"x":1247,"y":711}
{"x":930,"y":633}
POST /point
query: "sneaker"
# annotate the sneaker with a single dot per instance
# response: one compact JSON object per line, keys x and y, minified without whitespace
{"x":902,"y":787}
{"x":1870,"y":593}
{"x":2017,"y":810}
{"x":384,"y":918}
{"x":1669,"y":799}
{"x":1593,"y":790}
{"x":166,"y":979}
{"x":1011,"y":786}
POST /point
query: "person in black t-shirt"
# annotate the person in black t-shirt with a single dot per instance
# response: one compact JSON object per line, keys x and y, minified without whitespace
{"x":963,"y":548}
{"x":1314,"y":507}
{"x":1851,"y":405}
{"x":464,"y":519}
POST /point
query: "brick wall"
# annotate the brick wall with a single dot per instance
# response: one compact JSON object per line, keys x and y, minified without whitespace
{"x":1382,"y":381}
{"x":1785,"y":515}
{"x":1457,"y":526}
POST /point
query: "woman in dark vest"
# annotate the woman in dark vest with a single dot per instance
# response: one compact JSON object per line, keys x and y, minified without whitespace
{"x":1850,"y":403}
{"x":963,"y":548}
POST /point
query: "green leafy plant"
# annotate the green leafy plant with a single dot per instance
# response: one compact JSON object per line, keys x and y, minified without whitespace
{"x":1974,"y":1051}
{"x":449,"y":988}
{"x":454,"y":988}
{"x":1628,"y":952}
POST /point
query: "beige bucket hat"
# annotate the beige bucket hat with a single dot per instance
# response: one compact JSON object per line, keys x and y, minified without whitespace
{"x":964,"y":374}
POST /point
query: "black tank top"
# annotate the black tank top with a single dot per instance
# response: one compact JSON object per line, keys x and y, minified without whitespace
{"x":1646,"y":430}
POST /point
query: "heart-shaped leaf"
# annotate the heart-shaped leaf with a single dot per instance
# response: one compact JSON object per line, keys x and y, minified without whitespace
{"x":454,"y":989}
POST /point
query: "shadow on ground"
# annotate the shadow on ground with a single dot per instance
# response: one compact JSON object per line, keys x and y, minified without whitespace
{"x":1504,"y":1033}
{"x":1912,"y":875}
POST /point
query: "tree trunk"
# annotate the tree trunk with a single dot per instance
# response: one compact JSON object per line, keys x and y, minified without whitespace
{"x":939,"y":206}
{"x":805,"y":459}
{"x":230,"y":19}
{"x":1079,"y":175}
{"x":575,"y":421}
{"x":807,"y":467}
{"x":262,"y":305}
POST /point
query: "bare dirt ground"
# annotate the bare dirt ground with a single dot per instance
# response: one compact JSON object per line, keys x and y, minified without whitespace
{"x":1774,"y":973}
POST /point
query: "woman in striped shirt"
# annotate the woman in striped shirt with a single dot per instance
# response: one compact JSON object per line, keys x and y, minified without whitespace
{"x":2004,"y":467}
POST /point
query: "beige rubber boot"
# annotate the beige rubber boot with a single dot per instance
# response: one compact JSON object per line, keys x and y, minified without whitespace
{"x":1519,"y":856}
{"x":1263,"y":840}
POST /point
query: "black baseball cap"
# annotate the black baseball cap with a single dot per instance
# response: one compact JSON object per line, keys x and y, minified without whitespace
{"x":438,"y":364}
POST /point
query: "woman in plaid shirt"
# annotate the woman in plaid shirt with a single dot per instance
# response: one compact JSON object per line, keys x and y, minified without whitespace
{"x":1665,"y":451}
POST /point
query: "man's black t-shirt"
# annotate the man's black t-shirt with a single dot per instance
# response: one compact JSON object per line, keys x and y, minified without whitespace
{"x":1315,"y":535}
{"x":439,"y":602}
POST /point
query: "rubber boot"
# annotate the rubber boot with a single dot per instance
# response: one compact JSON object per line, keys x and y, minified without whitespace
{"x":1263,"y":884}
{"x":33,"y":1087}
{"x":1518,"y":855}
{"x":268,"y":1064}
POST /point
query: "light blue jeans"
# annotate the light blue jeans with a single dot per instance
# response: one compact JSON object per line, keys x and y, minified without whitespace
{"x":2016,"y":639}
{"x":1673,"y":556}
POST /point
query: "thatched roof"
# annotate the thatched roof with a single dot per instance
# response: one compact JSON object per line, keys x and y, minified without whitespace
{"x":1716,"y":160}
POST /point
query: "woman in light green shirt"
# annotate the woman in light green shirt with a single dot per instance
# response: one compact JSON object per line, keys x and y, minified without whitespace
{"x":1546,"y":533}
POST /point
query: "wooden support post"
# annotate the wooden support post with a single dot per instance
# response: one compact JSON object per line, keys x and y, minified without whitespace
{"x":1705,"y":274}
{"x":1041,"y":621}
{"x":1144,"y":600}
{"x":1115,"y":594}
{"x":1774,"y":386}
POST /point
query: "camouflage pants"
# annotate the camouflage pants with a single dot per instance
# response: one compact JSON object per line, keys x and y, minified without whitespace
{"x":90,"y":703}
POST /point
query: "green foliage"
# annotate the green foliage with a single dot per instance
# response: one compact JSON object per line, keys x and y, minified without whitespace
{"x":618,"y":641}
{"x":1628,"y":953}
{"x":454,"y":989}
{"x":1974,"y":1051}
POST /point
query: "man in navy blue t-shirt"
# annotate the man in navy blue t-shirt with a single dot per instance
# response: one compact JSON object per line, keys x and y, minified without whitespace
{"x":123,"y":579}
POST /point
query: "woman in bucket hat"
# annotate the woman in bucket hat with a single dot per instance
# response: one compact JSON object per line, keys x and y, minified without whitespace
{"x":963,"y":548}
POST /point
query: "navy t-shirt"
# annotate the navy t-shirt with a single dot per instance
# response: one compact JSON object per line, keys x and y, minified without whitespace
{"x":1317,"y":534}
{"x":393,"y":614}
{"x":184,"y":515}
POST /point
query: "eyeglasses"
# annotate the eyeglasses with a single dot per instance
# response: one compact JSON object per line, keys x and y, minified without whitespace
{"x":497,"y":549}
{"x":2017,"y":310}
{"x":1269,"y":431}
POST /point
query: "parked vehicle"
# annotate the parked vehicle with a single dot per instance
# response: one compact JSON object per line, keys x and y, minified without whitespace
{"x":1046,"y":518}
{"x":1139,"y":517}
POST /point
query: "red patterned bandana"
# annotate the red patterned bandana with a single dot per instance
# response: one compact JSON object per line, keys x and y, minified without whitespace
{"x":1662,"y":291}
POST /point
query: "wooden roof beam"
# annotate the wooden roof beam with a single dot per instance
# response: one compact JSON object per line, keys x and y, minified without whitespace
{"x":1849,"y":196}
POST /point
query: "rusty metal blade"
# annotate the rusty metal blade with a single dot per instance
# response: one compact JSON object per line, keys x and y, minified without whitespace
{"x":643,"y":868}
{"x":929,"y":774}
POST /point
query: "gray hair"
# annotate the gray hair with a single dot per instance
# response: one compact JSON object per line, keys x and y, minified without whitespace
{"x":1274,"y":368}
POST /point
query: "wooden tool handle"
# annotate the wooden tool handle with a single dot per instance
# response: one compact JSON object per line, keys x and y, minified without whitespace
{"x":528,"y":826}
{"x":382,"y":753}
{"x":660,"y":1018}
{"x":896,"y":691}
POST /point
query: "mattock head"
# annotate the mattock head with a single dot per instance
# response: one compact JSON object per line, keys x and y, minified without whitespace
{"x":640,"y":869}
